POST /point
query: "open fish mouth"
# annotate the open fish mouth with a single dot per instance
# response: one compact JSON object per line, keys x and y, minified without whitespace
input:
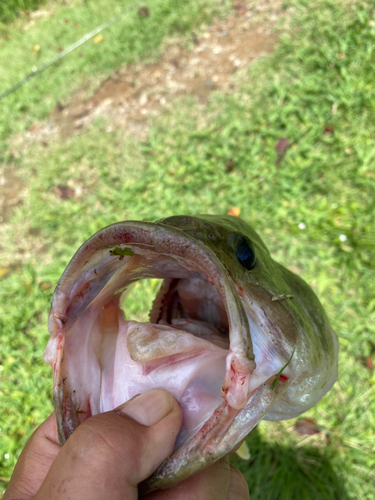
{"x":197,"y":343}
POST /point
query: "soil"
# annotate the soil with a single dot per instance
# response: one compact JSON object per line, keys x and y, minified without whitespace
{"x":11,"y":192}
{"x":138,"y":92}
{"x":217,"y":59}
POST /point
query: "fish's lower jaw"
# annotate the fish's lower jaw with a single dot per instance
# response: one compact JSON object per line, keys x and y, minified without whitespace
{"x":215,"y":439}
{"x":236,"y":387}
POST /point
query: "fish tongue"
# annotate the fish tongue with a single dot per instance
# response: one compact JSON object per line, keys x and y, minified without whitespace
{"x":147,"y":342}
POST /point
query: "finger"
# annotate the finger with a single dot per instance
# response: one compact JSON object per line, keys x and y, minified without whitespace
{"x":109,"y":454}
{"x":209,"y":484}
{"x":238,"y":488}
{"x":35,"y":461}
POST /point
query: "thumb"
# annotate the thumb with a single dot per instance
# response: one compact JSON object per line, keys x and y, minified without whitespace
{"x":110,"y":454}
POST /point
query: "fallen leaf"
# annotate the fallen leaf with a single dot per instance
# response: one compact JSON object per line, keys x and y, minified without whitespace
{"x":3,"y":271}
{"x":97,"y":38}
{"x":328,"y":129}
{"x":281,"y":146}
{"x":34,"y":127}
{"x":347,"y":248}
{"x":235,"y":211}
{"x":239,"y":7}
{"x":243,"y":451}
{"x":369,"y":363}
{"x":45,"y":286}
{"x":307,"y":426}
{"x":230,"y":165}
{"x":63,"y":192}
{"x":36,"y":48}
{"x":144,"y":12}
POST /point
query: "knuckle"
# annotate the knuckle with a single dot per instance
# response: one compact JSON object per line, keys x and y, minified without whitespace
{"x":109,"y":434}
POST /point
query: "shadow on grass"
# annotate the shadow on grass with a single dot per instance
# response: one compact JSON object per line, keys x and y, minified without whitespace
{"x":277,"y":471}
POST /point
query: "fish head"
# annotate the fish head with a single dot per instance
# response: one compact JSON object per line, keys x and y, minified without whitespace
{"x":233,"y":335}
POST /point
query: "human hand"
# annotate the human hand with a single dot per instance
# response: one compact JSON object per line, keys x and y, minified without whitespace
{"x":110,"y":454}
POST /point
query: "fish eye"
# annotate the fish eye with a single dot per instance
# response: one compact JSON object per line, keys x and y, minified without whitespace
{"x":244,"y":253}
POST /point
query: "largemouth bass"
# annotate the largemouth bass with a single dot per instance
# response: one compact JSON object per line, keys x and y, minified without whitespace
{"x":233,"y":335}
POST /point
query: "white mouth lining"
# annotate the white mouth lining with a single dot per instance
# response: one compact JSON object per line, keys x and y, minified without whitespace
{"x":77,"y":370}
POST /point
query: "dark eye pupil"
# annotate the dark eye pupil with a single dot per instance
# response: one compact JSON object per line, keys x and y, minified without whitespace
{"x":245,"y":254}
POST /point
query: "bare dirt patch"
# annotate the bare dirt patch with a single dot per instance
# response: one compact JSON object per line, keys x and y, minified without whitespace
{"x":135,"y":94}
{"x":214,"y":59}
{"x":11,"y":192}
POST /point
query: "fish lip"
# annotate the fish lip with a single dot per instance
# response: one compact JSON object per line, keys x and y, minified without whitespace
{"x":158,"y":238}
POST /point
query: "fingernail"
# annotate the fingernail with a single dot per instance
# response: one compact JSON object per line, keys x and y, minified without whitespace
{"x":150,"y":407}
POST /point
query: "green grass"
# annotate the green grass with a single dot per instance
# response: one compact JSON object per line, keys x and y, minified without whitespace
{"x":11,"y":9}
{"x":129,"y":39}
{"x":321,"y":74}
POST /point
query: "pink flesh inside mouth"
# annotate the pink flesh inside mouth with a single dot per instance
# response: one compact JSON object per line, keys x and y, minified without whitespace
{"x":108,"y":358}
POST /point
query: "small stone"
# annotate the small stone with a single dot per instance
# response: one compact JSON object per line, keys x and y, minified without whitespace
{"x":143,"y":99}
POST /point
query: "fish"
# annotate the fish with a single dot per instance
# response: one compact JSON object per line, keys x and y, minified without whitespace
{"x":233,"y":335}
